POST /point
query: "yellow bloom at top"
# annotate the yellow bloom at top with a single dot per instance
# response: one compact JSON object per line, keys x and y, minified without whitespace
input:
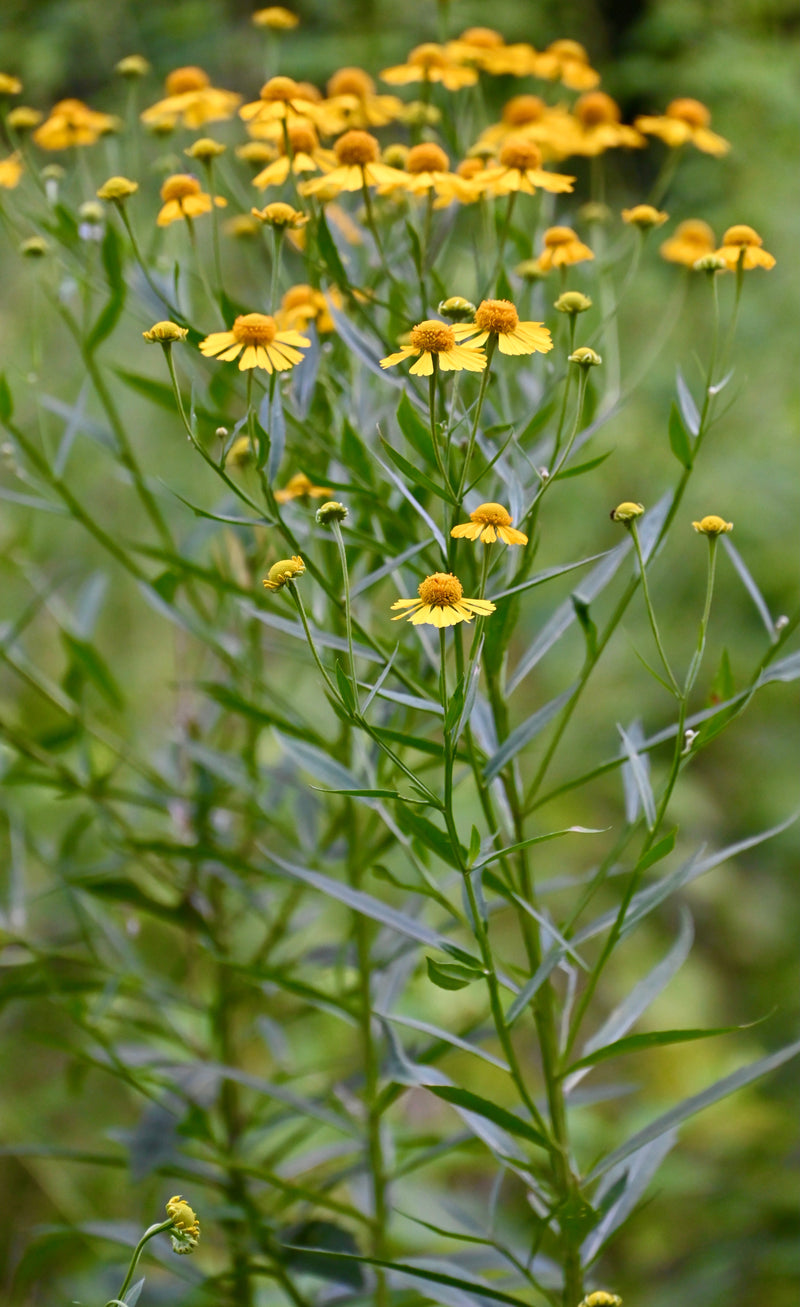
{"x":257,"y":337}
{"x":519,"y":169}
{"x":688,"y":243}
{"x":185,"y":1232}
{"x":551,"y":127}
{"x":276,"y":17}
{"x":644,"y":216}
{"x":431,"y":63}
{"x":601,"y":1299}
{"x":562,"y":248}
{"x":281,"y":99}
{"x":10,"y":171}
{"x":281,"y":216}
{"x":684,"y":120}
{"x":71,"y":122}
{"x":598,"y":126}
{"x":357,"y":156}
{"x":352,"y":94}
{"x":487,"y":523}
{"x":184,"y":197}
{"x":434,"y":343}
{"x":485,"y":48}
{"x":192,"y":100}
{"x":741,"y":248}
{"x":303,"y":304}
{"x":566,"y":61}
{"x":300,"y":486}
{"x":427,"y":168}
{"x":441,"y":603}
{"x":713,"y":526}
{"x":304,"y":155}
{"x":284,"y":571}
{"x":499,"y":319}
{"x":9,"y":85}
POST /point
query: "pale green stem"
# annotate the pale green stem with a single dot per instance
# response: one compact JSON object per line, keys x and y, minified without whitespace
{"x":650,"y":611}
{"x":337,"y":531}
{"x":491,"y":345}
{"x":137,"y":1252}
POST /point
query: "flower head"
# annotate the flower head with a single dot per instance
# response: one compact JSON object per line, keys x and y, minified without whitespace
{"x":688,"y":243}
{"x":281,"y":99}
{"x":431,"y":63}
{"x":456,"y":308}
{"x":300,"y":153}
{"x":585,"y":357}
{"x":184,"y":197}
{"x":185,"y":1232}
{"x":133,"y":65}
{"x":568,"y":62}
{"x":644,"y":216}
{"x":165,"y":333}
{"x":598,"y":126}
{"x":710,"y":263}
{"x":283,"y":572}
{"x":303,"y":304}
{"x":357,"y":164}
{"x":499,"y":320}
{"x":71,"y":122}
{"x":487,"y":523}
{"x":35,"y":247}
{"x":562,"y":248}
{"x":332,"y":511}
{"x":626,"y":512}
{"x":713,"y":526}
{"x":685,"y":120}
{"x":257,"y":338}
{"x":572,"y":301}
{"x":117,"y":189}
{"x":300,"y":486}
{"x":9,"y":85}
{"x":433,"y":342}
{"x":601,"y":1299}
{"x":280,"y":215}
{"x":23,"y":118}
{"x":741,"y":248}
{"x":441,"y":603}
{"x":205,"y":149}
{"x":275,"y":17}
{"x":11,"y":170}
{"x":519,"y":168}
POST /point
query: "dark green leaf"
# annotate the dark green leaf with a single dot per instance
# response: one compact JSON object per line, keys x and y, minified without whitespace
{"x":413,"y":428}
{"x":587,"y":625}
{"x":658,"y":851}
{"x":345,"y":688}
{"x":6,"y":402}
{"x":514,"y":1125}
{"x":94,"y":668}
{"x":580,"y":468}
{"x":653,"y":1039}
{"x":679,"y":439}
{"x":450,"y":975}
{"x":307,"y":1248}
{"x":414,"y":475}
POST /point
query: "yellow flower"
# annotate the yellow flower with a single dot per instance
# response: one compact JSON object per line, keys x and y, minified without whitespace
{"x":741,"y":248}
{"x":601,"y":1299}
{"x":427,"y":168}
{"x":333,"y":511}
{"x":433,"y":342}
{"x":457,"y":309}
{"x":684,"y":120}
{"x":257,"y":153}
{"x":184,"y":197}
{"x":585,"y":357}
{"x":284,"y":571}
{"x":566,"y":61}
{"x":713,"y":526}
{"x":357,"y":165}
{"x":205,"y":148}
{"x":304,"y":155}
{"x":626,"y":512}
{"x":35,"y":247}
{"x":23,"y":118}
{"x":71,"y":122}
{"x":486,"y":49}
{"x":487,"y":523}
{"x":281,"y":99}
{"x":133,"y":65}
{"x":529,"y":116}
{"x":262,"y":345}
{"x":10,"y":171}
{"x":281,"y":215}
{"x":240,"y":453}
{"x":431,"y":63}
{"x":165,"y":333}
{"x":192,"y":100}
{"x":185,"y":1232}
{"x":688,"y":243}
{"x":598,"y":126}
{"x":117,"y":188}
{"x":499,"y":319}
{"x":520,"y":169}
{"x":441,"y":603}
{"x":644,"y":216}
{"x":9,"y":85}
{"x":562,"y":248}
{"x":352,"y":94}
{"x":276,"y":17}
{"x":300,"y":487}
{"x":303,"y":304}
{"x":572,"y":301}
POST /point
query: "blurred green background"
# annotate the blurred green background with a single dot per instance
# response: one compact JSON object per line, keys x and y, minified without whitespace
{"x":721,"y":1226}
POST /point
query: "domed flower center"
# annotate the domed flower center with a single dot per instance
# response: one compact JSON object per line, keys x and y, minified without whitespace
{"x":741,"y":235}
{"x":595,"y":108}
{"x":180,"y":187}
{"x":356,"y":148}
{"x":691,"y":112}
{"x":181,"y":80}
{"x":433,"y":336}
{"x":441,"y":590}
{"x":302,"y":138}
{"x":297,"y":296}
{"x":280,"y":88}
{"x":351,"y":81}
{"x":555,"y":236}
{"x":491,"y":515}
{"x":254,"y":329}
{"x":484,"y":38}
{"x":696,"y":232}
{"x":498,"y":316}
{"x":569,"y":50}
{"x":427,"y":157}
{"x":521,"y":154}
{"x":523,"y":109}
{"x":427,"y":56}
{"x":469,"y":168}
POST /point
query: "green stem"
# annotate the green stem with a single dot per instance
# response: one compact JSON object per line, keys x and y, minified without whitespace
{"x":348,"y":620}
{"x":491,"y":346}
{"x":648,"y":603}
{"x":137,"y":1252}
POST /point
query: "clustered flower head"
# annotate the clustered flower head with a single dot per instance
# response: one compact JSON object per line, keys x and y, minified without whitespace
{"x":434,"y":344}
{"x":712,"y":526}
{"x":185,"y":1230}
{"x":600,"y":1298}
{"x":487,"y":523}
{"x":259,"y":341}
{"x":441,"y":603}
{"x":283,"y":572}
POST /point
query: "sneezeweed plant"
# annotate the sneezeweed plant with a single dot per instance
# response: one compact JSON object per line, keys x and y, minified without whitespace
{"x":267,"y":918}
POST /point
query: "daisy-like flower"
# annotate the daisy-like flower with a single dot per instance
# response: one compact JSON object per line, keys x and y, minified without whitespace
{"x":185,"y":1231}
{"x":284,"y":571}
{"x":644,"y":216}
{"x":688,"y":243}
{"x":441,"y":602}
{"x":520,"y":169}
{"x":303,"y":155}
{"x":132,"y":66}
{"x":184,"y":197}
{"x":427,"y":168}
{"x":280,"y":215}
{"x":598,"y":126}
{"x":10,"y":171}
{"x":358,"y":165}
{"x":485,"y":48}
{"x":192,"y":100}
{"x":600,"y":1298}
{"x":551,"y":127}
{"x":488,"y":523}
{"x":9,"y":85}
{"x":303,"y":304}
{"x":562,"y":248}
{"x":741,"y":248}
{"x":499,"y":319}
{"x":300,"y":486}
{"x":71,"y":122}
{"x":281,"y":99}
{"x":713,"y":526}
{"x":567,"y":62}
{"x":117,"y":189}
{"x":434,"y":343}
{"x":353,"y":94}
{"x":685,"y":120}
{"x":257,"y":337}
{"x":431,"y":63}
{"x":275,"y":17}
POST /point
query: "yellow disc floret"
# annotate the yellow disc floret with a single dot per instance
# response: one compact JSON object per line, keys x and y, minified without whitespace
{"x":284,"y":571}
{"x":497,"y":316}
{"x":432,"y":336}
{"x":440,"y":590}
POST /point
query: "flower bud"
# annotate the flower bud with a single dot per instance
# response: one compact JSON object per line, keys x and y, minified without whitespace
{"x":644,"y":216}
{"x":35,"y":247}
{"x":205,"y":148}
{"x":332,"y":511}
{"x":284,"y":571}
{"x":530,"y":270}
{"x":626,"y":512}
{"x":585,"y":357}
{"x":456,"y":309}
{"x":133,"y":65}
{"x":710,"y":263}
{"x":713,"y":526}
{"x":117,"y":188}
{"x":165,"y":333}
{"x":573,"y":301}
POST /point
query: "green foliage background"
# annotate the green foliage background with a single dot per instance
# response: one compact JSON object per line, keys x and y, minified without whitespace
{"x":721,"y":1227}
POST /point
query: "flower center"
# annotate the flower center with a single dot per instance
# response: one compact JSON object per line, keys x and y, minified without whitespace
{"x":427,"y":157}
{"x":569,"y":50}
{"x":485,"y":38}
{"x":254,"y":329}
{"x":491,"y":515}
{"x":523,"y":109}
{"x":351,"y":81}
{"x":559,"y":236}
{"x":498,"y":316}
{"x":302,"y":138}
{"x":356,"y":148}
{"x":280,"y":88}
{"x":696,"y":232}
{"x":427,"y":56}
{"x":741,"y":235}
{"x":691,"y":112}
{"x":441,"y":590}
{"x":180,"y":187}
{"x":595,"y":108}
{"x":521,"y":154}
{"x":181,"y":80}
{"x":469,"y":168}
{"x":433,"y":336}
{"x":297,"y":295}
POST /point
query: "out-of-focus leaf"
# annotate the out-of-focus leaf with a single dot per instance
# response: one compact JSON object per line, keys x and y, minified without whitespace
{"x":679,"y":439}
{"x":524,"y":733}
{"x":689,"y":410}
{"x":307,"y":1248}
{"x":750,"y":586}
{"x":450,"y":975}
{"x":484,"y":1107}
{"x":93,"y":666}
{"x":415,"y":475}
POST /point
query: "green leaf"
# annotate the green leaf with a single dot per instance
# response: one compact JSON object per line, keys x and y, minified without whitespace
{"x":455,"y":706}
{"x":513,"y":1125}
{"x":495,"y":854}
{"x":109,"y":315}
{"x":413,"y":428}
{"x":6,"y":401}
{"x":354,"y":455}
{"x":653,"y":1039}
{"x":723,"y":686}
{"x":587,"y":625}
{"x":430,"y":836}
{"x":415,"y":475}
{"x":679,"y":439}
{"x":580,"y":468}
{"x":474,"y":845}
{"x":90,"y":663}
{"x":689,"y":410}
{"x":658,"y":851}
{"x":524,"y":733}
{"x":450,"y":975}
{"x":330,"y":254}
{"x":752,"y":589}
{"x":345,"y":688}
{"x":307,"y":1248}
